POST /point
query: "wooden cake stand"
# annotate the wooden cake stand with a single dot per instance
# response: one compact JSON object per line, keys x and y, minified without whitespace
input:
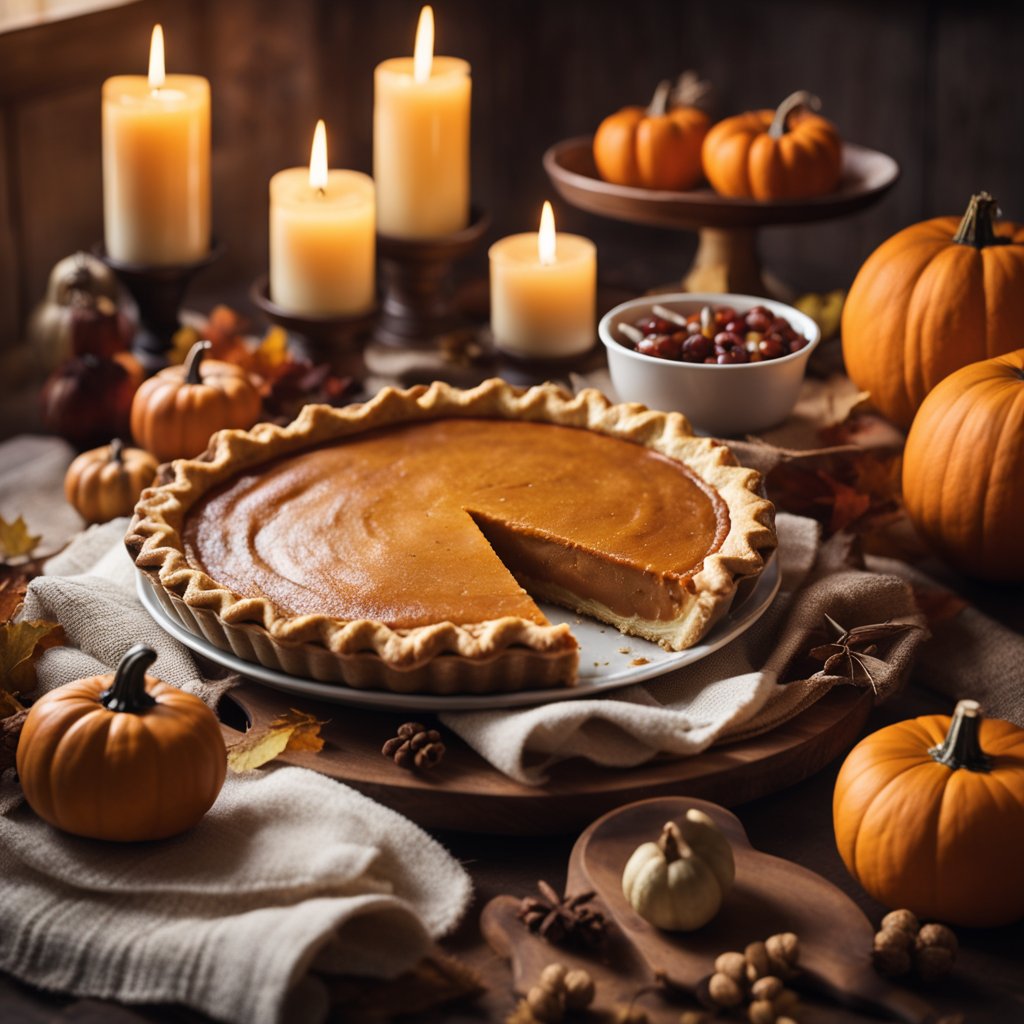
{"x":727,"y":258}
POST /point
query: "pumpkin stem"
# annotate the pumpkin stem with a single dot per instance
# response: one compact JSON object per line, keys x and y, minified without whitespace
{"x":193,"y":361}
{"x":672,"y":843}
{"x":690,"y":90}
{"x":978,"y":224}
{"x":800,"y":98}
{"x":962,"y":747}
{"x":117,"y":450}
{"x":128,"y":691}
{"x":658,"y":107}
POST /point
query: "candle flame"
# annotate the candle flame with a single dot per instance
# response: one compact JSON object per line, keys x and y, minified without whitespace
{"x":423,"y":53}
{"x":318,"y":158}
{"x":156,"y":58}
{"x":546,"y":236}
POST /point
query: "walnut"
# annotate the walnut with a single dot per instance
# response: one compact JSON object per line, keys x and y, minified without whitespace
{"x":547,"y":1006}
{"x":724,"y":991}
{"x":629,"y":1014}
{"x":761,"y":1011}
{"x":553,"y":977}
{"x":904,"y":920}
{"x":937,"y":935}
{"x":933,"y":963}
{"x":767,"y":987}
{"x":784,"y":947}
{"x":756,"y":955}
{"x":578,"y":986}
{"x":732,"y":964}
{"x":695,"y":1017}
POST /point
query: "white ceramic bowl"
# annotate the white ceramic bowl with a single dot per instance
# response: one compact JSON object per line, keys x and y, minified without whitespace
{"x":725,"y":401}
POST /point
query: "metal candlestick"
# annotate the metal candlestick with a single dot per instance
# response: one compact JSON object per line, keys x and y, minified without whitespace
{"x":158,"y":292}
{"x":419,"y":308}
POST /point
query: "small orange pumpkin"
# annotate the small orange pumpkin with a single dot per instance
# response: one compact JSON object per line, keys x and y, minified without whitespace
{"x":929,"y":815}
{"x":175,"y":412}
{"x":654,"y":147}
{"x":122,"y":756}
{"x":963,"y":468}
{"x":936,"y":296}
{"x":105,"y":482}
{"x":789,"y":153}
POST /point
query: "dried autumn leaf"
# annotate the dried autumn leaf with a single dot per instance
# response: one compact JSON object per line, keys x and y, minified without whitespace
{"x":295,"y":731}
{"x":15,"y":540}
{"x":9,"y":705}
{"x":271,"y":353}
{"x":13,"y":587}
{"x":181,"y":344}
{"x":10,"y":733}
{"x":938,"y":605}
{"x":18,"y":642}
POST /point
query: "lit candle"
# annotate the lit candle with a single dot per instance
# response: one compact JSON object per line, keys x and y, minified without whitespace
{"x":543,"y":292}
{"x":156,"y":164}
{"x":322,"y":237}
{"x":421,"y":140}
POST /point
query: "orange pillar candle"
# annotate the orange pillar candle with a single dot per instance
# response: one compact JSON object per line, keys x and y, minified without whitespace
{"x":156,"y":164}
{"x":421,"y":140}
{"x":544,"y":292}
{"x":322,"y":237}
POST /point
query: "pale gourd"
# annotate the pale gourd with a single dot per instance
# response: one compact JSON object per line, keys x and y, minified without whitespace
{"x":679,"y":882}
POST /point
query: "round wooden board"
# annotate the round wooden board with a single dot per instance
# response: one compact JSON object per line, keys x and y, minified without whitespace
{"x":465,"y":793}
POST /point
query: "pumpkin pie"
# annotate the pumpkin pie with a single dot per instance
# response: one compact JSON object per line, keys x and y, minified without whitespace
{"x":403,"y":543}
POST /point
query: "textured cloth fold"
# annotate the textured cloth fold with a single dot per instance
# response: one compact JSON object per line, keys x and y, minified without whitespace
{"x":290,"y":877}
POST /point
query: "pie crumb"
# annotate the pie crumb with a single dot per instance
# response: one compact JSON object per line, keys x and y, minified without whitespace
{"x":623,"y":650}
{"x":640,"y":661}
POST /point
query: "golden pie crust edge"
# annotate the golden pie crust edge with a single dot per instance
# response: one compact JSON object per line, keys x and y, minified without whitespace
{"x":501,"y":654}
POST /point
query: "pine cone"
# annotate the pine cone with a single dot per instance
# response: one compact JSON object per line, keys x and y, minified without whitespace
{"x":415,"y":746}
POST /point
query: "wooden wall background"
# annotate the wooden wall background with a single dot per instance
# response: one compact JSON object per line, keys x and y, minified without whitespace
{"x":933,"y":83}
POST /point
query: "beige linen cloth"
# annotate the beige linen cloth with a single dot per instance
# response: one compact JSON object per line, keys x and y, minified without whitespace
{"x":289,"y":879}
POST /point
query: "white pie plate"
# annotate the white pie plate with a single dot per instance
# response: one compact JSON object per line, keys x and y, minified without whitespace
{"x":607,"y":658}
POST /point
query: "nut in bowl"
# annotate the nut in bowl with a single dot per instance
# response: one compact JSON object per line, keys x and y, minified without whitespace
{"x":732,"y":364}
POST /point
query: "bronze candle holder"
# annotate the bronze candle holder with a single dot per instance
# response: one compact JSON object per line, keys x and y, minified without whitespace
{"x":418,"y":309}
{"x":158,"y":292}
{"x":337,"y":340}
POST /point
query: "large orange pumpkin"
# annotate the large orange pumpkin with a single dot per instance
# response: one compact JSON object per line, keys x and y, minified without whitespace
{"x":788,"y":153}
{"x":929,"y":815}
{"x":122,"y":756}
{"x":175,"y":412}
{"x":963,"y":468}
{"x":936,"y":296}
{"x":654,"y":147}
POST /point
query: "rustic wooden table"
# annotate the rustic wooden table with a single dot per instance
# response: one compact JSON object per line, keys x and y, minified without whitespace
{"x":987,"y":985}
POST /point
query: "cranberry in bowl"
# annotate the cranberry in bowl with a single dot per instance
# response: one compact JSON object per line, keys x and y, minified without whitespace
{"x":732,"y":364}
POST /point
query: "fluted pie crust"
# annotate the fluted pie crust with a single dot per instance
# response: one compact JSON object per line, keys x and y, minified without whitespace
{"x":383,"y":545}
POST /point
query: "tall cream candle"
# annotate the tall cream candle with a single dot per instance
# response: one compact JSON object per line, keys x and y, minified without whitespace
{"x":156,"y":164}
{"x":322,"y":237}
{"x":421,"y":140}
{"x":544,"y":292}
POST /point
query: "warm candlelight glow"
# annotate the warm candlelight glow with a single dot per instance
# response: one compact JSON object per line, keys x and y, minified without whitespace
{"x":546,"y":236}
{"x":156,"y":58}
{"x":423,"y":53}
{"x":318,"y":158}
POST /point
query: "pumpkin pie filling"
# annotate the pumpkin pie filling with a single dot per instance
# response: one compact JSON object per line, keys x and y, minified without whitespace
{"x":462,"y":520}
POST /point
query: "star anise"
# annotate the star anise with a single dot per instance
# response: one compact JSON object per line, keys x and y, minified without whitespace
{"x":563,"y":918}
{"x":856,"y":647}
